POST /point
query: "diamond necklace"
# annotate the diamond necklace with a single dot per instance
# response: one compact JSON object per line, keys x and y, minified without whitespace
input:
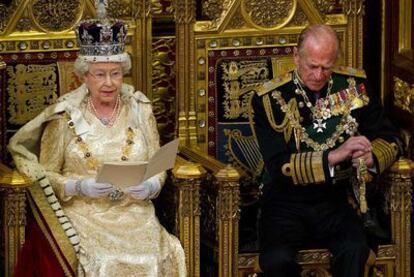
{"x":107,"y":121}
{"x":321,"y":109}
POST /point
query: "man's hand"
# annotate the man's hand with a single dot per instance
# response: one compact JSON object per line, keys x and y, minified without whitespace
{"x":366,"y":156}
{"x":357,"y":144}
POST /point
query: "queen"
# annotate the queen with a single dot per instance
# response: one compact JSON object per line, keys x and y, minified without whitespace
{"x":92,"y":228}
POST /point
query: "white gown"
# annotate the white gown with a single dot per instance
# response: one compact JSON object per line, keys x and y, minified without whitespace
{"x":117,"y":238}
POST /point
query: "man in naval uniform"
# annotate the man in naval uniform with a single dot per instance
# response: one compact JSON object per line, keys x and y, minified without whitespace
{"x":315,"y":126}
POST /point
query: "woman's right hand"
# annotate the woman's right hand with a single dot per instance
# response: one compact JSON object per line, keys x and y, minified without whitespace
{"x":87,"y":187}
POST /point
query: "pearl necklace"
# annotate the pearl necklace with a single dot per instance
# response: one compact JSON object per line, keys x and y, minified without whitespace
{"x":107,"y":121}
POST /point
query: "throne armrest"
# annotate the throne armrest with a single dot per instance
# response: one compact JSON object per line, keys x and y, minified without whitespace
{"x":220,"y":212}
{"x":210,"y":163}
{"x":400,"y":198}
{"x":13,"y":187}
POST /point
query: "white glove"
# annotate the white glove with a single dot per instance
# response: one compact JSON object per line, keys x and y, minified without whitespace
{"x":87,"y":187}
{"x":148,"y":189}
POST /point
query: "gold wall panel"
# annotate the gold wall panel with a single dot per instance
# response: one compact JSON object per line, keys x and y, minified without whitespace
{"x":56,"y":15}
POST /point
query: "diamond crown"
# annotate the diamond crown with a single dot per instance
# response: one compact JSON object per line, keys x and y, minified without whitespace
{"x":101,"y":36}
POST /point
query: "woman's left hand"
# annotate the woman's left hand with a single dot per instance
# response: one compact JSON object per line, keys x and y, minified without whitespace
{"x":148,"y":189}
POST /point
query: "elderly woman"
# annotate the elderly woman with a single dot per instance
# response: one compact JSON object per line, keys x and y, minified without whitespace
{"x":93,"y":228}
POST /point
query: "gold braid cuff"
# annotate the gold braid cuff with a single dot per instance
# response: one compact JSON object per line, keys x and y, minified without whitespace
{"x":385,"y":152}
{"x":305,"y":168}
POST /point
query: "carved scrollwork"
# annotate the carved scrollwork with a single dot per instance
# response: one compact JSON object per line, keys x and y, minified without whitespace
{"x":56,"y":15}
{"x":265,"y":14}
{"x":217,"y":13}
{"x":15,"y":206}
{"x":404,"y":95}
{"x":353,"y":7}
{"x":119,"y":8}
{"x":326,"y":6}
{"x":163,"y":85}
{"x":212,"y":9}
{"x":237,"y":21}
{"x":229,"y":203}
{"x":400,"y":194}
{"x":313,"y":256}
{"x":162,"y":7}
{"x":247,"y":260}
{"x":23,"y":25}
{"x":299,"y":19}
{"x":386,"y":251}
{"x":137,"y":8}
{"x":184,"y":11}
{"x":6,"y":11}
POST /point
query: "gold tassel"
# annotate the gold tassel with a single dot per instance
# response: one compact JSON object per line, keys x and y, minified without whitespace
{"x":363,"y":177}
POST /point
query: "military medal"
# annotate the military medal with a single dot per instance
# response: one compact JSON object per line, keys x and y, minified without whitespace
{"x":322,"y":109}
{"x":319,"y":126}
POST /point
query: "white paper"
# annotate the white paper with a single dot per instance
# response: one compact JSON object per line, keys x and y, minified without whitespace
{"x":126,"y":174}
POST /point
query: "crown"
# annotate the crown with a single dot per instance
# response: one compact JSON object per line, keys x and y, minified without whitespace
{"x":102,"y":39}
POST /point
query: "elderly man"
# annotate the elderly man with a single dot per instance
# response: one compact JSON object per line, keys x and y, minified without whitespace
{"x":315,"y":126}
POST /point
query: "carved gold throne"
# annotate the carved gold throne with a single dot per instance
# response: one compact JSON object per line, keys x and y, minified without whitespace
{"x":37,"y":51}
{"x":226,"y":49}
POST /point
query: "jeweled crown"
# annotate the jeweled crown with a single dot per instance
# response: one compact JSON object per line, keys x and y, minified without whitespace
{"x":102,"y":38}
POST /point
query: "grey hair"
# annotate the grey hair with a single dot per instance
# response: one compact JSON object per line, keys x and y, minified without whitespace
{"x":317,"y":31}
{"x":81,"y":66}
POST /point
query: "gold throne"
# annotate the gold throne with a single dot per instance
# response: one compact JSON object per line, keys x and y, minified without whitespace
{"x":234,"y":46}
{"x":37,"y":51}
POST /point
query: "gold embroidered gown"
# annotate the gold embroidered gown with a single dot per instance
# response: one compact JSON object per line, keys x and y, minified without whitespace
{"x":117,"y":238}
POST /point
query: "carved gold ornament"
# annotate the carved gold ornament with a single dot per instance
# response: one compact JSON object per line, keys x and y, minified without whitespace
{"x":119,"y":8}
{"x":265,"y":14}
{"x":404,"y":95}
{"x":56,"y":15}
{"x":213,"y":8}
{"x":163,"y":85}
{"x":6,"y":12}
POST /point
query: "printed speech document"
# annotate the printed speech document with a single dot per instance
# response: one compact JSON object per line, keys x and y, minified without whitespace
{"x":125,"y":174}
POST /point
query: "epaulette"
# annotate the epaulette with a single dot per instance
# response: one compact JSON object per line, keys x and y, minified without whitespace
{"x":274,"y":83}
{"x":348,"y":70}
